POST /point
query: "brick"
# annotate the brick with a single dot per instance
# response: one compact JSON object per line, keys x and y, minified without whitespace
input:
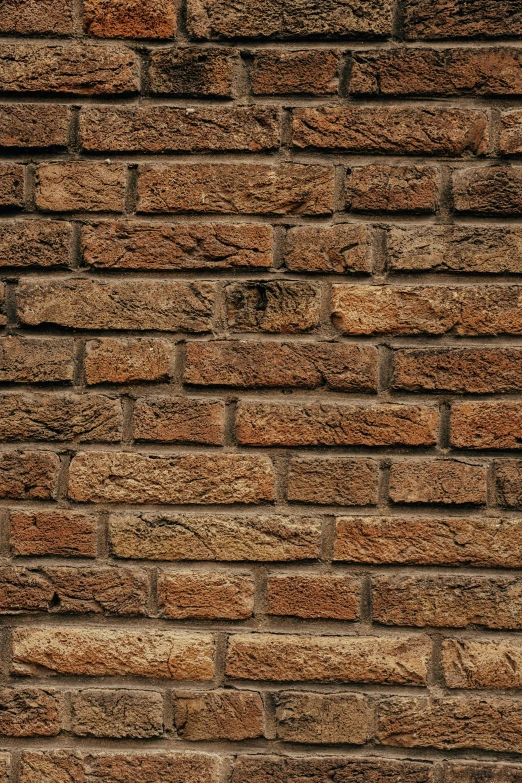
{"x":205,"y":595}
{"x":338,"y":481}
{"x":68,"y":69}
{"x":294,"y":19}
{"x":135,"y":19}
{"x":26,"y":17}
{"x":225,"y":715}
{"x":511,"y":132}
{"x":79,"y":186}
{"x":30,"y":712}
{"x":28,"y":475}
{"x":475,"y":663}
{"x":113,"y":652}
{"x":166,"y":305}
{"x":179,"y":420}
{"x":489,"y":249}
{"x":159,"y":767}
{"x":432,"y":72}
{"x":214,"y":537}
{"x":314,"y":596}
{"x":478,"y":541}
{"x":36,"y":359}
{"x":5,"y":767}
{"x":3,"y":303}
{"x":37,"y":126}
{"x":273,"y":306}
{"x":113,"y":477}
{"x":338,"y":249}
{"x":120,"y":360}
{"x":246,"y":364}
{"x":508,"y":483}
{"x":236,"y":189}
{"x":193,"y":72}
{"x":283,"y":73}
{"x":322,"y":424}
{"x":321,"y":718}
{"x":39,"y":243}
{"x":284,"y":769}
{"x":56,"y":532}
{"x":459,"y":19}
{"x":450,"y":723}
{"x":466,"y":772}
{"x":389,"y":188}
{"x":169,"y":129}
{"x":117,"y":713}
{"x":391,"y":129}
{"x":448,"y":601}
{"x":164,"y":246}
{"x":494,"y":190}
{"x":11,"y":185}
{"x":369,"y":659}
{"x":60,"y":766}
{"x":446,"y":482}
{"x":486,"y":425}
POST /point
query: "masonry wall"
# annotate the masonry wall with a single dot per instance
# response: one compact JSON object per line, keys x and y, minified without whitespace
{"x":260,"y":410}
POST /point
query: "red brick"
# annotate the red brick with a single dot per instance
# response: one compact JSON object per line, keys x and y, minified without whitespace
{"x":337,"y":481}
{"x":119,"y":360}
{"x":179,"y":420}
{"x":205,"y":595}
{"x":319,"y":718}
{"x":26,"y":17}
{"x":36,"y":359}
{"x":57,"y":532}
{"x":158,"y":767}
{"x":486,"y":425}
{"x":255,"y":768}
{"x":495,"y":190}
{"x":224,"y":714}
{"x":80,"y":186}
{"x":28,"y":475}
{"x":134,"y":19}
{"x":30,"y":712}
{"x":314,"y":596}
{"x":117,"y":713}
{"x":307,"y":71}
{"x":459,"y":19}
{"x":39,"y":243}
{"x":193,"y":72}
{"x":388,"y":188}
{"x":482,"y":663}
{"x":37,"y":126}
{"x":11,"y":185}
{"x":446,"y":482}
{"x":338,"y":249}
{"x":273,"y":306}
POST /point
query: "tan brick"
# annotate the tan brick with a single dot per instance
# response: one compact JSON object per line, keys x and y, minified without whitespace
{"x":117,"y":713}
{"x":225,"y":715}
{"x":11,"y":185}
{"x":338,"y":481}
{"x":26,"y":17}
{"x":495,"y":190}
{"x":134,"y":19}
{"x":313,"y":596}
{"x":338,"y":249}
{"x":307,"y":71}
{"x":80,"y":186}
{"x":35,"y":359}
{"x":120,"y":360}
{"x":179,"y":420}
{"x":273,"y":306}
{"x":28,"y":475}
{"x":486,"y":425}
{"x":158,"y":767}
{"x":60,"y":766}
{"x":482,"y":663}
{"x":30,"y":712}
{"x":447,"y":482}
{"x":321,"y":718}
{"x":39,"y":243}
{"x":193,"y":72}
{"x":5,"y":767}
{"x":255,"y":768}
{"x":508,"y":483}
{"x":389,"y":188}
{"x":457,"y":19}
{"x":205,"y":595}
{"x":56,"y":532}
{"x":34,"y":125}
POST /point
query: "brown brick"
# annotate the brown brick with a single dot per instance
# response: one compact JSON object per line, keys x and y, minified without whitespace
{"x":460,"y":19}
{"x":134,"y":19}
{"x":508,"y":483}
{"x":451,"y":541}
{"x":60,"y":766}
{"x":322,"y":424}
{"x":119,"y":360}
{"x":337,"y":481}
{"x":321,"y":718}
{"x":26,"y":17}
{"x":30,"y":712}
{"x":36,"y":359}
{"x":5,"y":767}
{"x":3,"y":297}
{"x":390,"y":188}
{"x":205,"y":595}
{"x":56,"y":532}
{"x":391,"y":129}
{"x":166,"y":305}
{"x":482,"y":663}
{"x":34,"y":125}
{"x":284,"y":73}
{"x":486,"y":425}
{"x":451,"y":723}
{"x":117,"y":713}
{"x":511,"y":132}
{"x":282,"y":769}
{"x":28,"y":475}
{"x":431,"y":72}
{"x":247,"y":365}
{"x":113,"y":652}
{"x":338,"y":249}
{"x":39,"y":243}
{"x":193,"y":72}
{"x":448,"y":601}
{"x":214,"y":537}
{"x":446,"y":482}
{"x":78,"y":186}
{"x":167,"y":246}
{"x":113,"y":477}
{"x":495,"y":190}
{"x":313,"y":596}
{"x":225,"y":715}
{"x":399,"y":659}
{"x":179,"y":420}
{"x":469,"y":772}
{"x":236,"y":189}
{"x":293,"y":19}
{"x":273,"y":306}
{"x":159,"y":767}
{"x":82,"y":69}
{"x":11,"y":185}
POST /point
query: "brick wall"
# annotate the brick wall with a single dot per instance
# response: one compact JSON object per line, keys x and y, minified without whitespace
{"x":260,"y":371}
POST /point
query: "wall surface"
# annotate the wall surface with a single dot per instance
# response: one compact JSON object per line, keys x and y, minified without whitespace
{"x":260,"y":405}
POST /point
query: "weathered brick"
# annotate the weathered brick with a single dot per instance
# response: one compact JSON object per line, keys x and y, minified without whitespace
{"x":120,"y":360}
{"x":511,"y":132}
{"x":124,"y":304}
{"x":3,"y":297}
{"x":40,"y":243}
{"x":11,"y":185}
{"x":322,"y":424}
{"x":486,"y":425}
{"x":338,"y":249}
{"x":391,"y":129}
{"x":60,"y":766}
{"x":28,"y":475}
{"x":469,"y":772}
{"x":30,"y":712}
{"x":314,"y":596}
{"x":390,"y":188}
{"x":134,"y":19}
{"x":226,"y":715}
{"x":164,"y":246}
{"x":179,"y":420}
{"x":26,"y":17}
{"x":57,"y":532}
{"x":193,"y":72}
{"x":495,"y":190}
{"x":82,"y":69}
{"x":80,"y":186}
{"x":34,"y":125}
{"x":460,"y":19}
{"x":446,"y":482}
{"x":481,"y":663}
{"x":114,"y":652}
{"x":117,"y":713}
{"x":236,"y":188}
{"x":283,"y":73}
{"x":214,"y":537}
{"x":337,"y":481}
{"x":36,"y":359}
{"x":370,"y":659}
{"x":448,"y":601}
{"x":284,"y":769}
{"x":508,"y":483}
{"x":273,"y":306}
{"x":5,"y":767}
{"x":321,"y":718}
{"x":113,"y":477}
{"x":159,"y":767}
{"x":205,"y":595}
